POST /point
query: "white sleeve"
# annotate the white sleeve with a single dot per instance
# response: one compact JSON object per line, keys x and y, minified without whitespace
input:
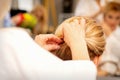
{"x":69,"y":70}
{"x":22,"y":59}
{"x":111,"y":54}
{"x":115,"y":42}
{"x":108,"y":63}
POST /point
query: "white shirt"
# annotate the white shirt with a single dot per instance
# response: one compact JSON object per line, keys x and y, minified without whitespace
{"x":88,"y":8}
{"x":22,"y":59}
{"x":111,"y":54}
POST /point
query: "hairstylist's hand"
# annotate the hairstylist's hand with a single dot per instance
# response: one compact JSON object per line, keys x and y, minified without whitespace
{"x":74,"y":35}
{"x":74,"y":32}
{"x":48,"y":41}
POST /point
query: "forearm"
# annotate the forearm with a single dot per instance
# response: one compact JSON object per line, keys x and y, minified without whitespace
{"x":80,"y":51}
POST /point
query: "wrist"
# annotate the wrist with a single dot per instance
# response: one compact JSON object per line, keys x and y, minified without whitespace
{"x":79,"y":51}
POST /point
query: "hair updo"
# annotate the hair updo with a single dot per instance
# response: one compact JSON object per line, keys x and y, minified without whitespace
{"x":94,"y":38}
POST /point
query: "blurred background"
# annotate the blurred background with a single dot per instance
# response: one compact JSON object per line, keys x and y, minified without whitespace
{"x":50,"y":13}
{"x":44,"y":16}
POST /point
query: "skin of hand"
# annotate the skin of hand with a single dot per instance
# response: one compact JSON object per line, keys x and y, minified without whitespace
{"x":72,"y":33}
{"x":48,"y":41}
{"x":74,"y":36}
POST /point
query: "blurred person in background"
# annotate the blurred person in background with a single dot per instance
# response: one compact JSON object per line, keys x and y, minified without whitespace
{"x":110,"y":60}
{"x":35,"y":21}
{"x":39,"y":12}
{"x":92,"y":8}
{"x":22,"y":59}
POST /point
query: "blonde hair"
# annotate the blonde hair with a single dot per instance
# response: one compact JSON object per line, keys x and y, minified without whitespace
{"x":112,"y":6}
{"x":94,"y":38}
{"x":42,"y":26}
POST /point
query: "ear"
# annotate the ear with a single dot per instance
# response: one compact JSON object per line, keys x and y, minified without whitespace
{"x":96,"y":60}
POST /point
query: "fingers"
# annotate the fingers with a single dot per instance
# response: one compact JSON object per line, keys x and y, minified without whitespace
{"x":48,"y":41}
{"x":53,"y":38}
{"x":82,"y":23}
{"x":76,"y":21}
{"x":52,"y":47}
{"x":73,"y":25}
{"x":48,"y":37}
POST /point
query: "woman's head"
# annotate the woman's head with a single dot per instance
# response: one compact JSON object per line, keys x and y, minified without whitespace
{"x":94,"y":39}
{"x":112,"y":14}
{"x":40,"y":13}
